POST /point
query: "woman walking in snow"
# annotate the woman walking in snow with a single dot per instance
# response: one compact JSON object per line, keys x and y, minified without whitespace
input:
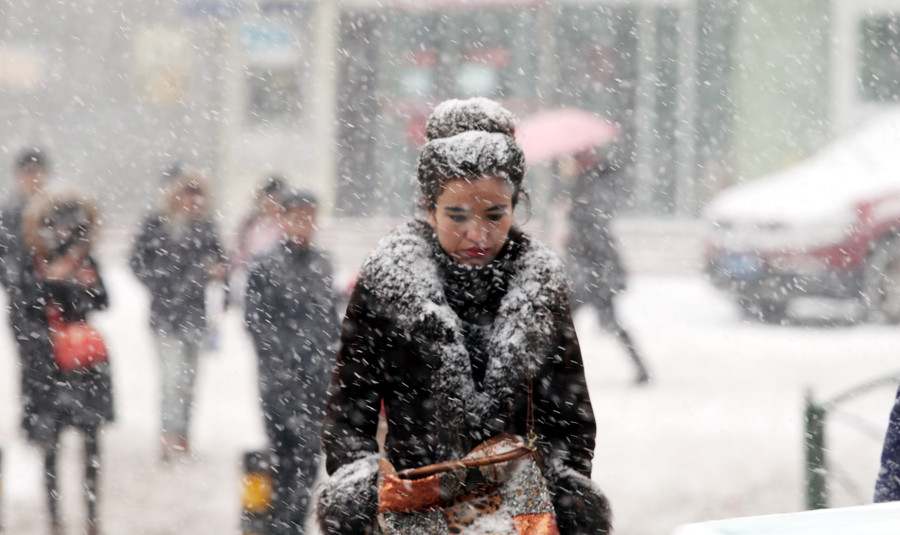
{"x":460,"y":326}
{"x":176,"y":255}
{"x":59,"y":282}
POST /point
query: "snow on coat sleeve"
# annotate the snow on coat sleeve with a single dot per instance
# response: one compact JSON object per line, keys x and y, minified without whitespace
{"x":887,"y":486}
{"x":354,"y":403}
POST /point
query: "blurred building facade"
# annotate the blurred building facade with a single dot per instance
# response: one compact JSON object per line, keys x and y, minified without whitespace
{"x":334,"y":93}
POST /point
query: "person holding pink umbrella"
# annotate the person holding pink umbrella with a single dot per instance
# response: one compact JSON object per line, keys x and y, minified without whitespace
{"x":593,"y":258}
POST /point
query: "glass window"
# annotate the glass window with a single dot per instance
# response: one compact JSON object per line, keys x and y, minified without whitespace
{"x":273,"y":53}
{"x":494,"y":53}
{"x":417,"y":74}
{"x":879,"y":61}
{"x":596,"y":59}
{"x":273,"y":94}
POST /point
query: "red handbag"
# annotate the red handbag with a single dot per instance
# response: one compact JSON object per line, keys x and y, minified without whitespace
{"x":76,"y":344}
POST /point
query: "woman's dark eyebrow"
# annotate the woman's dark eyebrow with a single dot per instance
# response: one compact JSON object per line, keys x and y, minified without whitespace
{"x":460,"y":210}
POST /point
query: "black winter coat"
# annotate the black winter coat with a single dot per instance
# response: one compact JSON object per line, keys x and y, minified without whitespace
{"x":403,"y":345}
{"x":593,"y":254}
{"x":12,"y":245}
{"x":291,"y":316}
{"x":51,"y":398}
{"x":174,"y":265}
{"x":887,"y":486}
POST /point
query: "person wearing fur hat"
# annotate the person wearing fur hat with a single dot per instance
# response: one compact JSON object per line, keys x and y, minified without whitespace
{"x":460,"y":327}
{"x":58,"y":276}
{"x":176,"y":254}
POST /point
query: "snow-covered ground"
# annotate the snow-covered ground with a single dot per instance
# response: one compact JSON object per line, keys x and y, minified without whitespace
{"x":718,"y":434}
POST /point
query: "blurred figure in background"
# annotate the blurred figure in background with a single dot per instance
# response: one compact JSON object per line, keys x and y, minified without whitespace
{"x":593,"y":258}
{"x":291,"y":315}
{"x":887,"y":486}
{"x":176,"y":255}
{"x":258,"y":233}
{"x":32,"y":172}
{"x":58,"y":284}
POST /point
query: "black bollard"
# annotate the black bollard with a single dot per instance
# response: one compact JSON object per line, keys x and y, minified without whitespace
{"x":814,"y":448}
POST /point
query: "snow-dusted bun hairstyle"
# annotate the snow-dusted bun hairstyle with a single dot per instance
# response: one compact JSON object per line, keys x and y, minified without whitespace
{"x":469,"y":139}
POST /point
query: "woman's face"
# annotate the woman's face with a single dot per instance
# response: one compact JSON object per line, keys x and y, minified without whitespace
{"x":191,"y":200}
{"x":472,"y":219}
{"x":299,"y":224}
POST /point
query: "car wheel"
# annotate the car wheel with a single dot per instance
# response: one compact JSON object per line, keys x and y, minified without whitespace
{"x":881,"y":282}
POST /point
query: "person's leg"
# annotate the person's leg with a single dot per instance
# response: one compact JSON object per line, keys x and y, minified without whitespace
{"x":191,"y":343}
{"x":643,"y":376}
{"x":610,"y":321}
{"x":91,"y":478}
{"x":51,"y":483}
{"x":296,"y":477}
{"x":279,"y":516}
{"x":177,"y":377}
{"x":308,"y":456}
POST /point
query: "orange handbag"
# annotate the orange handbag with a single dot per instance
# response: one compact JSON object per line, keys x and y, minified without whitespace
{"x":76,"y":344}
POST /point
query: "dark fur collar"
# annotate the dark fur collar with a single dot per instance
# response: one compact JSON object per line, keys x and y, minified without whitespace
{"x":403,"y":275}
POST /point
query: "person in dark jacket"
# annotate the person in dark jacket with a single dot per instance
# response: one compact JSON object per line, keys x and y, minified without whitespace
{"x":592,"y":252}
{"x":176,"y":255}
{"x":459,"y":325}
{"x":290,"y":313}
{"x":57,"y":271}
{"x":257,"y":234}
{"x":887,"y":486}
{"x":32,"y":172}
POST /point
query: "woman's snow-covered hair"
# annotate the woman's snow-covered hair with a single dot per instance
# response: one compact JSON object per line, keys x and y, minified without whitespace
{"x":469,"y":139}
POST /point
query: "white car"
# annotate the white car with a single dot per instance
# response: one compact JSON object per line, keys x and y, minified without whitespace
{"x":875,"y":519}
{"x":828,"y":227}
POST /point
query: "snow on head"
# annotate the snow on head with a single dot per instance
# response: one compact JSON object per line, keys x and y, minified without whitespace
{"x":455,"y":116}
{"x":469,"y":155}
{"x":469,"y":139}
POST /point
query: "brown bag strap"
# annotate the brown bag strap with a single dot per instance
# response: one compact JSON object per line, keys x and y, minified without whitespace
{"x":437,"y":468}
{"x":531,"y":437}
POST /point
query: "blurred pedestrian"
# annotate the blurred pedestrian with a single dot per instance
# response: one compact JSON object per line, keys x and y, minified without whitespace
{"x":592,"y":252}
{"x":258,"y":233}
{"x":887,"y":486}
{"x":57,"y":285}
{"x":32,"y":172}
{"x":176,"y":255}
{"x":459,"y":326}
{"x":291,"y":314}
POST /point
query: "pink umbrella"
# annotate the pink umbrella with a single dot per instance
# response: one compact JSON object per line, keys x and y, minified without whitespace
{"x":550,"y":134}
